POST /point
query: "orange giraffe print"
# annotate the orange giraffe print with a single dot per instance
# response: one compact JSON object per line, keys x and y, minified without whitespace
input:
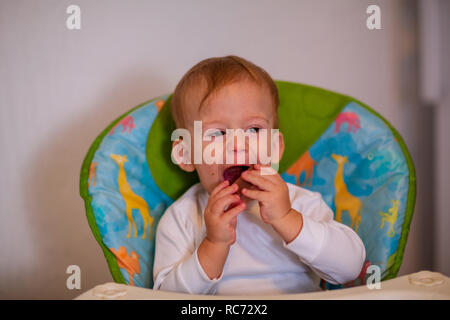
{"x":132,"y":200}
{"x":129,"y":263}
{"x":304,"y":163}
{"x":159,"y":104}
{"x":92,"y":169}
{"x":343,"y":199}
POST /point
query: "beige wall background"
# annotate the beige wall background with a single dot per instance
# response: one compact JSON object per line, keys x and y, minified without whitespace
{"x":60,"y":88}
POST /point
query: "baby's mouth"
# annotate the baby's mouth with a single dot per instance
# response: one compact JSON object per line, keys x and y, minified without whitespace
{"x":233,"y":173}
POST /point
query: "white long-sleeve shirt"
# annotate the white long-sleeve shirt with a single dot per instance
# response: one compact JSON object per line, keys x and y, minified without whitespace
{"x":259,"y":262}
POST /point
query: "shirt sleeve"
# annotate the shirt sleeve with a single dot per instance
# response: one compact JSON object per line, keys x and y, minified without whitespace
{"x":176,"y":266}
{"x":331,"y":249}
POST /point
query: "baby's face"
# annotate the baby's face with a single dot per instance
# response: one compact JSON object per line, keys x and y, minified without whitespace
{"x":240,"y":105}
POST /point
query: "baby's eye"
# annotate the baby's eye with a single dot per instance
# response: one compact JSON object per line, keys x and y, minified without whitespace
{"x":216,"y":133}
{"x":253,"y":130}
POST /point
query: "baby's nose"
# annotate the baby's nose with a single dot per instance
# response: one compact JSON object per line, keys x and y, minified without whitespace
{"x":237,"y":142}
{"x":236,"y":147}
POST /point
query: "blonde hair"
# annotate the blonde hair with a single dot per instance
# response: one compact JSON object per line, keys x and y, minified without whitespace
{"x":216,"y":73}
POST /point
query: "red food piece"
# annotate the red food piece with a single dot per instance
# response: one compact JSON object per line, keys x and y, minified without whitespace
{"x":233,"y":173}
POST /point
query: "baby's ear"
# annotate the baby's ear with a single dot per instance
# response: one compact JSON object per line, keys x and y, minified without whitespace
{"x":181,"y":155}
{"x":280,"y":145}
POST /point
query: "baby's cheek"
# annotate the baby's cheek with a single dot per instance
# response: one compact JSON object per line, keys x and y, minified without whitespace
{"x":209,"y":176}
{"x":253,"y":151}
{"x":261,"y":150}
{"x":213,"y":152}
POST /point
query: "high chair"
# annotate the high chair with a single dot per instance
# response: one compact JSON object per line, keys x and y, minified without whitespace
{"x":334,"y":144}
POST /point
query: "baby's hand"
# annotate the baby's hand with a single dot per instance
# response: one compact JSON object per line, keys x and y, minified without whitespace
{"x":273,"y":193}
{"x":221,"y":224}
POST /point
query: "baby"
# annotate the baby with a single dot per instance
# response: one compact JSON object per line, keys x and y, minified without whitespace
{"x":241,"y":230}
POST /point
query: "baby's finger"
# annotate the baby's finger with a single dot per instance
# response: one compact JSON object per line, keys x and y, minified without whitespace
{"x":266,"y":170}
{"x":227,"y":190}
{"x":273,"y":176}
{"x":219,"y":187}
{"x":255,"y":194}
{"x":220,"y":204}
{"x":231,"y":214}
{"x":255,"y":178}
